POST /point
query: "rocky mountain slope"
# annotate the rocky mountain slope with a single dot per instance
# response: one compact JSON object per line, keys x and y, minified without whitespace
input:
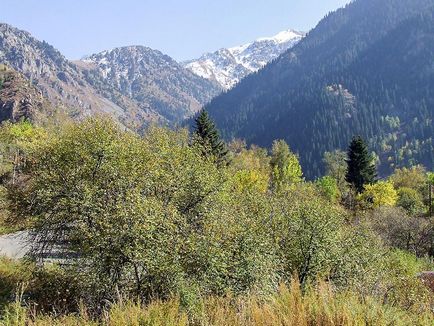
{"x":18,"y":98}
{"x":366,"y":70}
{"x":59,"y":80}
{"x":143,"y":86}
{"x":154,"y":80}
{"x":228,"y":66}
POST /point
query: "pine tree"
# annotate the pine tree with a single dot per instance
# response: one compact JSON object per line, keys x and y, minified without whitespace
{"x":361,"y":168}
{"x":207,"y":135}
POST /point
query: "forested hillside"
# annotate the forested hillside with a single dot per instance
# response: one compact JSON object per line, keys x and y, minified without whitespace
{"x":365,"y":69}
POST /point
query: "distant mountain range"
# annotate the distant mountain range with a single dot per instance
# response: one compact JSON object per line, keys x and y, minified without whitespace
{"x":228,"y":66}
{"x":136,"y":85}
{"x":154,"y":81}
{"x":366,"y":69}
{"x":59,"y":80}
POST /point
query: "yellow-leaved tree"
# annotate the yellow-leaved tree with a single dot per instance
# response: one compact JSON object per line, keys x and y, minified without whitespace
{"x":379,"y":194}
{"x":251,"y":169}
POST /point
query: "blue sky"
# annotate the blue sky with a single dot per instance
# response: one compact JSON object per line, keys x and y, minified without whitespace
{"x":183,"y":29}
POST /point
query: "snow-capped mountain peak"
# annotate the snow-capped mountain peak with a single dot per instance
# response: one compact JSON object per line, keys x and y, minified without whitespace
{"x":228,"y":66}
{"x":282,"y":37}
{"x":239,"y":49}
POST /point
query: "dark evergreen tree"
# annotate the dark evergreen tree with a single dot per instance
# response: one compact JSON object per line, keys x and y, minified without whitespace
{"x":361,"y":168}
{"x":207,"y":135}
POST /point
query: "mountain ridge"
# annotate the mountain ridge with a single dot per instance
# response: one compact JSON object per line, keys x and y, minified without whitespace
{"x":153,"y":80}
{"x":169,"y":93}
{"x":227,"y":66}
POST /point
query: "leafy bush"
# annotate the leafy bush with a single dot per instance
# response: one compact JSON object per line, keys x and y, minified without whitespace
{"x":397,"y":229}
{"x":411,"y":200}
{"x":403,"y":288}
{"x":329,"y":188}
{"x":43,"y":288}
{"x":413,"y":178}
{"x":12,"y":275}
{"x":285,"y":166}
{"x":313,"y":238}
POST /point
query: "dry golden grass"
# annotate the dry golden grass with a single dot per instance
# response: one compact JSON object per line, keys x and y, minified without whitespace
{"x":318,"y":305}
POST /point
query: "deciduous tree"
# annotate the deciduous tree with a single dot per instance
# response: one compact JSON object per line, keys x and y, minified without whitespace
{"x":285,"y":167}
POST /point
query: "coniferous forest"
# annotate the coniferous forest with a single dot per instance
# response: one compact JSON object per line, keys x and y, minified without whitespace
{"x":364,"y":70}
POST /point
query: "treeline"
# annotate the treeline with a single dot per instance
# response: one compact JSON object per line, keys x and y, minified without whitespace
{"x":172,"y":214}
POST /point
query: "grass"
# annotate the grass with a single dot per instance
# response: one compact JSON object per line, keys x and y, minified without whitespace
{"x":7,"y":228}
{"x":13,"y":275}
{"x":319,"y":305}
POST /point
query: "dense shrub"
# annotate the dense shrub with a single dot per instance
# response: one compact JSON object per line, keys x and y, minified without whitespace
{"x":42,"y":288}
{"x":397,"y":229}
{"x":151,"y":218}
{"x":411,"y":200}
{"x":379,"y":194}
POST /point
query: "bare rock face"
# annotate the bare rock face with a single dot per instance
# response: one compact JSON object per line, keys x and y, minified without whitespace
{"x":18,"y":98}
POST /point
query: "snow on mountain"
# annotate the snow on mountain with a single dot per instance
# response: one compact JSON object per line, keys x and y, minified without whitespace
{"x":228,"y":66}
{"x":134,"y":84}
{"x":152,"y":79}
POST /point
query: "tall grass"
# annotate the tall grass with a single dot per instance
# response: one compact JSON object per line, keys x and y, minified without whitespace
{"x":317,"y":305}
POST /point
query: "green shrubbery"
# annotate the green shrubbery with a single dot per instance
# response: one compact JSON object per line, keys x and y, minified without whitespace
{"x":152,"y":217}
{"x":46,"y":288}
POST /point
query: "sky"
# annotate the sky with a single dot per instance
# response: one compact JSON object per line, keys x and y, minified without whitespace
{"x":183,"y":29}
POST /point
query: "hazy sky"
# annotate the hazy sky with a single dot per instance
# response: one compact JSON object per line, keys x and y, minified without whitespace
{"x":183,"y":29}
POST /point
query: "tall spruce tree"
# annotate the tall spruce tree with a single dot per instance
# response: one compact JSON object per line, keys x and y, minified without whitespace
{"x":361,"y":168}
{"x":207,"y":135}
